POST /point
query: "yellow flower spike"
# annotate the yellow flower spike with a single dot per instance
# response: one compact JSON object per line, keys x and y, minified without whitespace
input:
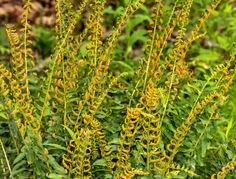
{"x":225,"y":169}
{"x":5,"y":93}
{"x":169,"y":148}
{"x":40,"y":139}
{"x":65,"y":164}
{"x":59,"y":100}
{"x":45,"y":151}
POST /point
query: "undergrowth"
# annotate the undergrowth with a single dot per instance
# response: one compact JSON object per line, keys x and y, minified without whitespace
{"x":78,"y":118}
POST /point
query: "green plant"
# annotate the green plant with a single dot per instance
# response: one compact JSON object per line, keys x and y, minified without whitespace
{"x":218,"y":41}
{"x":44,"y":42}
{"x":81,"y":119}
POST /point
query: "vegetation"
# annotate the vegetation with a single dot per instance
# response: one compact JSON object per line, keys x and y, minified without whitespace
{"x":119,"y":102}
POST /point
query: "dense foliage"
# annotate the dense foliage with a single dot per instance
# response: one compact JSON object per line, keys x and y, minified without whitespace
{"x":125,"y":93}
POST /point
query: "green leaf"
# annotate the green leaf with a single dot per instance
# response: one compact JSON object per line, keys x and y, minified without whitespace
{"x":4,"y":116}
{"x":21,"y":164}
{"x":72,"y":134}
{"x":56,"y":176}
{"x":19,"y":158}
{"x":123,"y":64}
{"x":56,"y":146}
{"x":207,"y":56}
{"x":30,"y":157}
{"x":3,"y":37}
{"x":115,"y":141}
{"x":228,"y":8}
{"x":115,"y":12}
{"x":108,"y":176}
{"x":224,"y":42}
{"x":15,"y":172}
{"x":163,"y":96}
{"x":100,"y":162}
{"x":83,"y":49}
{"x":118,"y":107}
{"x":139,"y":18}
{"x":138,"y":35}
{"x":230,"y":124}
{"x":72,"y":100}
{"x":173,"y":174}
{"x":55,"y":165}
{"x":233,"y":49}
{"x":203,"y":148}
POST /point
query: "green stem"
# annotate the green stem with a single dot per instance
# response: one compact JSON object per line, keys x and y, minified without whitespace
{"x":6,"y":158}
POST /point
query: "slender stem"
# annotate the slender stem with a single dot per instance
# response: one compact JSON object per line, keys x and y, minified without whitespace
{"x":96,"y":43}
{"x":64,"y":90}
{"x":204,"y":130}
{"x":150,"y":52}
{"x":168,"y":96}
{"x":25,"y":48}
{"x":6,"y":158}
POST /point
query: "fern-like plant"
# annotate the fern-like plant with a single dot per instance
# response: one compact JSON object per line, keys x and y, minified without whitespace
{"x":61,"y":124}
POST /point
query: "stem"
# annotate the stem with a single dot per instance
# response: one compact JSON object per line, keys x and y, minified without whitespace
{"x":150,"y":52}
{"x":25,"y":48}
{"x":6,"y":158}
{"x":64,"y":91}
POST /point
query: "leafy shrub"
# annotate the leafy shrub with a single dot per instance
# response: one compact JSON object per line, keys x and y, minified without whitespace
{"x":82,"y":118}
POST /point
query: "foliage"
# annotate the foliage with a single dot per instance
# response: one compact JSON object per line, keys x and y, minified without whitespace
{"x":95,"y":114}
